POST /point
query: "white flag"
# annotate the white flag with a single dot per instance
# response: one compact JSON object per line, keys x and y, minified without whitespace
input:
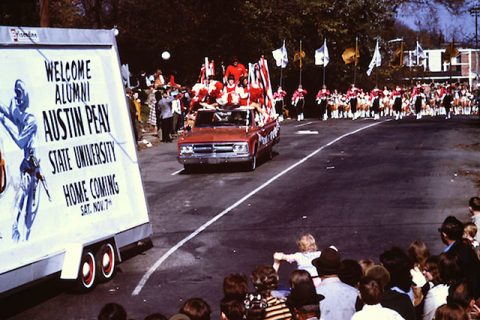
{"x":420,"y":53}
{"x":280,"y":56}
{"x":376,"y":60}
{"x":321,"y":55}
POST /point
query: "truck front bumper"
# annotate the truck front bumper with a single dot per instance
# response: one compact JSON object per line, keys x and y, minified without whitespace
{"x":214,"y":158}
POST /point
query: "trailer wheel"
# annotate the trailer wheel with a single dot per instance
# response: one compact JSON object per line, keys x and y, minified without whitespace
{"x":86,"y":274}
{"x":105,"y":262}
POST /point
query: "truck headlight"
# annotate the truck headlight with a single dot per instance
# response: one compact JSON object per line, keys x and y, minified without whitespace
{"x":186,"y":149}
{"x":241,"y":147}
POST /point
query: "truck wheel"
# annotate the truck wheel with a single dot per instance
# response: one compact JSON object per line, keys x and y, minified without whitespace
{"x":86,"y":274}
{"x":105,"y":258}
{"x":252,"y":165}
{"x":270,"y":154}
{"x":188,"y":168}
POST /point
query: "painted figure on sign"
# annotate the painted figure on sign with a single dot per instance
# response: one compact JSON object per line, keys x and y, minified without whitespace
{"x":22,"y":128}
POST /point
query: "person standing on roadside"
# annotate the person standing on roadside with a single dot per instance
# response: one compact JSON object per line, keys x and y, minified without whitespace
{"x":164,"y":106}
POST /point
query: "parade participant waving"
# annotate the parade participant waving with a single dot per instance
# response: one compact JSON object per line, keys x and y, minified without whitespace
{"x":322,"y":100}
{"x":298,"y":101}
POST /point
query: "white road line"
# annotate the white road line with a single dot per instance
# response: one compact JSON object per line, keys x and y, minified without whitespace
{"x":303,"y":124}
{"x":176,"y":172}
{"x":164,"y":257}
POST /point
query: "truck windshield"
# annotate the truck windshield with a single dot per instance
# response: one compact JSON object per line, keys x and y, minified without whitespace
{"x":221,"y":118}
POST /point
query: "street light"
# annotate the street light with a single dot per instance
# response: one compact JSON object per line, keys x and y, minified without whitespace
{"x":475,"y":11}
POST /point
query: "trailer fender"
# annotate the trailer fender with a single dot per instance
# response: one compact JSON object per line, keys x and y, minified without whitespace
{"x":71,"y":262}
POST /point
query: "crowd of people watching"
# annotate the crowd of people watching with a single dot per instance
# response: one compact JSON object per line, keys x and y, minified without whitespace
{"x":405,"y":283}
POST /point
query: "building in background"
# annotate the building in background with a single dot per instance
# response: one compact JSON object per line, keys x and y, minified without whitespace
{"x":465,"y":67}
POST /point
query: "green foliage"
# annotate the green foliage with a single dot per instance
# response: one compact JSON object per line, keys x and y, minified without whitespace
{"x":192,"y":30}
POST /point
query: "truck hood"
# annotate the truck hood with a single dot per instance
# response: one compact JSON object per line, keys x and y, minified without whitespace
{"x":228,"y":134}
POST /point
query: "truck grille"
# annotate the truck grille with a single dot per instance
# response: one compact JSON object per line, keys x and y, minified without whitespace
{"x":213,"y":148}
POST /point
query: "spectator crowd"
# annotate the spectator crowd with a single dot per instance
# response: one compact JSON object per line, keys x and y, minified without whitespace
{"x":405,"y":283}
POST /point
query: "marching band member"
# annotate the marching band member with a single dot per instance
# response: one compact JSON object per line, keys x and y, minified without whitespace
{"x":352,"y":97}
{"x":322,"y":99}
{"x":375,"y":97}
{"x":466,"y":100}
{"x":298,"y":101}
{"x":386,"y":106}
{"x":430,"y":99}
{"x":456,"y":98}
{"x":439,"y":95}
{"x":417,"y":98}
{"x":396,"y":96}
{"x":278,"y":100}
{"x":362,"y":106}
{"x":447,"y":101}
{"x":335,"y":104}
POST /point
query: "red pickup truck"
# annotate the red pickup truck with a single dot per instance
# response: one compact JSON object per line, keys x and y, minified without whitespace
{"x":227,"y":136}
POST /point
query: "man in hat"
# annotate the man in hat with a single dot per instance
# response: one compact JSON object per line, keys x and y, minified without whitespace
{"x":339,"y":303}
{"x":304,"y":301}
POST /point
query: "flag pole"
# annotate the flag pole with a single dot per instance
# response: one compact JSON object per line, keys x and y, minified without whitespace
{"x":300,"y":57}
{"x":355,"y":62}
{"x":281,"y":66}
{"x":324,"y":64}
{"x":281,"y":75}
{"x":416,"y":52}
{"x":452,"y":45}
{"x":324,"y":67}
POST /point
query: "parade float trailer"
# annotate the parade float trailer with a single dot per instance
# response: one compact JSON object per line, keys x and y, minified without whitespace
{"x":71,"y":195}
{"x":227,"y":136}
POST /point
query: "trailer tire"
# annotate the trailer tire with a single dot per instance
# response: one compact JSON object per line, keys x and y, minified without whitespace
{"x":106,"y":262}
{"x":86,"y":274}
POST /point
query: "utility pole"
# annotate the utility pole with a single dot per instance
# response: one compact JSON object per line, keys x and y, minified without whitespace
{"x":475,"y":11}
{"x":43,"y":6}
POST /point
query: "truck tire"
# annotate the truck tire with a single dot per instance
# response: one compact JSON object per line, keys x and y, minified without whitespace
{"x":86,"y":274}
{"x":252,"y":165}
{"x":188,"y":168}
{"x":270,"y":153}
{"x":106,"y":262}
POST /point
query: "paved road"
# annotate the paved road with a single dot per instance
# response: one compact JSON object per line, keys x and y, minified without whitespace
{"x":362,"y":186}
